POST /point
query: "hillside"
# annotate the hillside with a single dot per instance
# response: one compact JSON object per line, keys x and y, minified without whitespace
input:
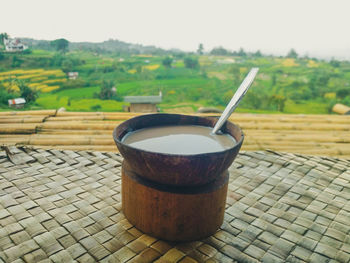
{"x":188,"y":81}
{"x":108,"y":46}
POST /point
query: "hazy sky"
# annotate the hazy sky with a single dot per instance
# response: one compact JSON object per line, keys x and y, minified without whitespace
{"x":313,"y":27}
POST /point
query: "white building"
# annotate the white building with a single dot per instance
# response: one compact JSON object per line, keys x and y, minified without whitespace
{"x":73,"y":75}
{"x":14,"y":45}
{"x":17,"y":103}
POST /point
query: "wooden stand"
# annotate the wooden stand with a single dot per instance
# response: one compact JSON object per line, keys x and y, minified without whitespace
{"x":173,"y":213}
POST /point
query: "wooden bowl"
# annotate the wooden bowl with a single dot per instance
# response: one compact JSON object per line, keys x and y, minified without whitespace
{"x":176,"y":169}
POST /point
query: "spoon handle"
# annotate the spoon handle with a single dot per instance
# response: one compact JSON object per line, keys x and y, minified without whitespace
{"x":241,"y":91}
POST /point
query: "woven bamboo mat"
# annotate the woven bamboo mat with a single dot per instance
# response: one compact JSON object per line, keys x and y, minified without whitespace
{"x":64,"y":206}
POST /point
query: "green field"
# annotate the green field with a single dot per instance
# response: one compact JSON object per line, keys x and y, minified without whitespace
{"x":80,"y":99}
{"x":288,"y":85}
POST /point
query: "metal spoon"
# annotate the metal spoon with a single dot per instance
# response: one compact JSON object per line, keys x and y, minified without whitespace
{"x":232,"y":105}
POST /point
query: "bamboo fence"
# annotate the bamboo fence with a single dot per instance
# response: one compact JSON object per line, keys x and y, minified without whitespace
{"x":327,"y":135}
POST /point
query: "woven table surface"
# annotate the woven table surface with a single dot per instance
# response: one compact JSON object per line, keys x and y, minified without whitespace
{"x":65,"y":206}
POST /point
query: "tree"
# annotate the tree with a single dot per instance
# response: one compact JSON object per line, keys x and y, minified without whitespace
{"x":3,"y":36}
{"x":278,"y":101}
{"x":5,"y":95}
{"x":241,"y":52}
{"x":108,"y":91}
{"x":342,"y":93}
{"x":27,"y":93}
{"x":273,"y":80}
{"x":258,"y":54}
{"x":235,"y":72}
{"x":67,"y":65}
{"x":16,"y":62}
{"x":292,"y":54}
{"x":167,"y":62}
{"x":200,"y":49}
{"x":191,"y":62}
{"x":253,"y":100}
{"x":334,"y":63}
{"x":219,"y":51}
{"x":138,"y":69}
{"x":61,"y":45}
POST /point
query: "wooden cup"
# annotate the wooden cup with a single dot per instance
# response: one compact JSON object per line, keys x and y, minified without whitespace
{"x":171,"y":212}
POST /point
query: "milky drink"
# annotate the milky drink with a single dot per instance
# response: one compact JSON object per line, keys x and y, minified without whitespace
{"x":179,"y":139}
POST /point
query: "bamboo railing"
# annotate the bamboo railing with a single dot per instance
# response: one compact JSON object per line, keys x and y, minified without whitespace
{"x":327,"y":135}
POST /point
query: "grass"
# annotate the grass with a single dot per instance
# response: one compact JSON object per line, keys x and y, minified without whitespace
{"x":79,"y":93}
{"x":50,"y":101}
{"x":153,"y":86}
{"x":79,"y":99}
{"x":244,"y":110}
{"x":309,"y":107}
{"x":89,"y":104}
{"x":165,"y":107}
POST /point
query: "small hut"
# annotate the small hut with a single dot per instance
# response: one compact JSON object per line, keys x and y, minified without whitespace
{"x":73,"y":75}
{"x":341,"y":109}
{"x":143,"y":103}
{"x":17,"y":103}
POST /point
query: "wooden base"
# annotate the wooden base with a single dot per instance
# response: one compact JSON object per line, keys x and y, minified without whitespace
{"x":173,"y":213}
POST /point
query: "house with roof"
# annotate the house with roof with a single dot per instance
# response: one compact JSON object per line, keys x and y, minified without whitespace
{"x":73,"y":75}
{"x":143,"y":103}
{"x":14,"y":45}
{"x":17,"y":103}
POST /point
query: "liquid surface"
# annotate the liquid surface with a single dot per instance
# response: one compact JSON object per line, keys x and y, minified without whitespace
{"x":180,"y":139}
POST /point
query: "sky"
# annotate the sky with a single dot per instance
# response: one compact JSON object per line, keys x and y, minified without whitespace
{"x":318,"y":28}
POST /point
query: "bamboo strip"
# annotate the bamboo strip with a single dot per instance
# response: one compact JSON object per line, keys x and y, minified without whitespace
{"x":73,"y":132}
{"x":77,"y":113}
{"x":120,"y":116}
{"x":58,"y":141}
{"x":299,"y":138}
{"x":287,"y":135}
{"x":274,"y":131}
{"x":301,"y":150}
{"x":75,"y":118}
{"x":259,"y":119}
{"x":13,"y":141}
{"x":23,"y":120}
{"x":79,"y":125}
{"x":318,"y":116}
{"x":4,"y":136}
{"x":70,"y":136}
{"x":26,"y":128}
{"x":285,"y":126}
{"x":310,"y":144}
{"x":32,"y":112}
{"x":10,"y":117}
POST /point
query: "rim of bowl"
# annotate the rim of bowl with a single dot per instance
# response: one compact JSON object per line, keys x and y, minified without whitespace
{"x":172,"y":154}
